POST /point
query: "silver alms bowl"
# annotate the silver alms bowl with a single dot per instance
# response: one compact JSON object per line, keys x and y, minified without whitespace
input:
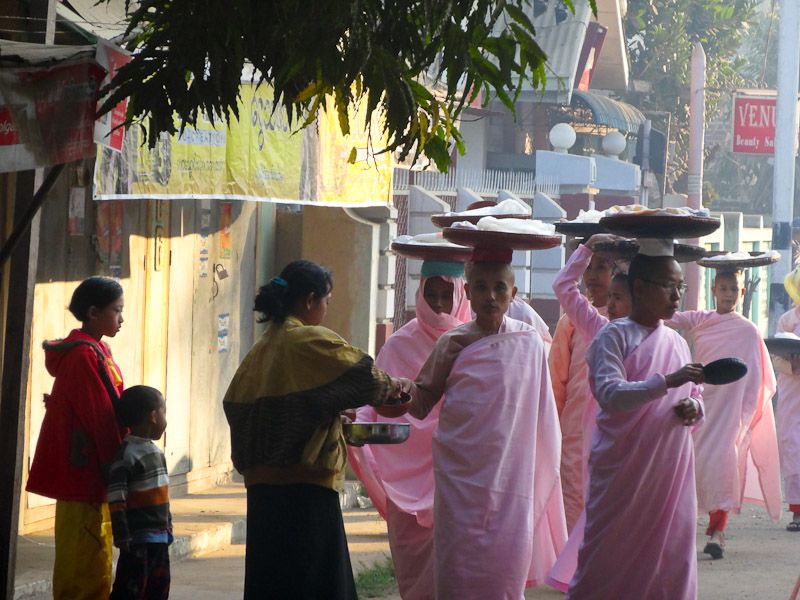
{"x":358,"y":434}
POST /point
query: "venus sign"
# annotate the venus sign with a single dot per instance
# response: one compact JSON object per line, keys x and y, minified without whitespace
{"x":754,"y":123}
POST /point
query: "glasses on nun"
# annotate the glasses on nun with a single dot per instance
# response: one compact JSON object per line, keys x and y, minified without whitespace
{"x":670,"y":288}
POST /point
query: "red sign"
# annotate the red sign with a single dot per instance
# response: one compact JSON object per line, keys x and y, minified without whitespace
{"x":754,"y":124}
{"x":9,"y":134}
{"x":47,"y":114}
{"x":108,"y":130}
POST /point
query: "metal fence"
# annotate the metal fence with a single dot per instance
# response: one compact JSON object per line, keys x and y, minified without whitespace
{"x":486,"y":181}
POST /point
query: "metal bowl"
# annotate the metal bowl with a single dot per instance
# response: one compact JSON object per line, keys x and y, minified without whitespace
{"x":358,"y":434}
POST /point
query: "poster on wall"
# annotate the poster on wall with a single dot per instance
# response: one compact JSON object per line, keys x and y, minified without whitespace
{"x":223,"y":326}
{"x":108,"y":232}
{"x":205,"y":231}
{"x":76,"y":212}
{"x":225,"y":215}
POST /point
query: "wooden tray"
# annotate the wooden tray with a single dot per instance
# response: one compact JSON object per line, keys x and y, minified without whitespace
{"x":432,"y":252}
{"x":660,"y":226}
{"x":580,"y":230}
{"x":627,"y":249}
{"x":501,"y":239}
{"x":448,"y":220}
{"x":759,"y":259}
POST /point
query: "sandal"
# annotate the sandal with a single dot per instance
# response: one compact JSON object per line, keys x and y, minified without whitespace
{"x":793,"y":526}
{"x":715,"y":545}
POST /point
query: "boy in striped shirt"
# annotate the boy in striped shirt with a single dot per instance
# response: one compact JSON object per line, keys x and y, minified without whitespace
{"x":138,"y":497}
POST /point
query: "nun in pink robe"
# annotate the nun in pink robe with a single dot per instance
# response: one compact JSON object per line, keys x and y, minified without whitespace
{"x":570,"y":376}
{"x":639,"y":540}
{"x":740,"y":425}
{"x":399,"y":479}
{"x":498,"y":508}
{"x":788,"y":415}
{"x":586,"y":321}
{"x":641,"y":509}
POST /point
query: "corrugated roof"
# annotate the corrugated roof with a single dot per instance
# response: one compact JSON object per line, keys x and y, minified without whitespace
{"x":560,"y":34}
{"x":13,"y":53}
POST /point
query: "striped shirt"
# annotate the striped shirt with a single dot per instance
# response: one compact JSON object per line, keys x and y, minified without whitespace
{"x":138,"y":493}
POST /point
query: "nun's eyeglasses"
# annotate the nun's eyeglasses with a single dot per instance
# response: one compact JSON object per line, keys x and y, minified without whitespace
{"x":670,"y":288}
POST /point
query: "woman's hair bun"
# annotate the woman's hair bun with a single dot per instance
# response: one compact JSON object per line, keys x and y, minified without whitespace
{"x":297,"y":280}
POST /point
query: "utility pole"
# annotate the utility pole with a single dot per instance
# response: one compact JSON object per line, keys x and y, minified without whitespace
{"x":785,"y":151}
{"x":697,"y":129}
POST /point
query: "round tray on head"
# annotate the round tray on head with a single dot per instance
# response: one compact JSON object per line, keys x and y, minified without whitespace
{"x":686,"y":253}
{"x":501,"y":239}
{"x":758,"y":259}
{"x":358,"y":434}
{"x":433,"y":252}
{"x":783,"y":347}
{"x":660,"y":226}
{"x":447,"y":220}
{"x":580,"y":230}
{"x":627,"y":249}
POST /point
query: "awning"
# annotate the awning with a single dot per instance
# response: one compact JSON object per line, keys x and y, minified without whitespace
{"x":609,"y":112}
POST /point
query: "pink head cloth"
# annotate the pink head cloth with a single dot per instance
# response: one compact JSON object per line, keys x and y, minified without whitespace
{"x":435,"y":325}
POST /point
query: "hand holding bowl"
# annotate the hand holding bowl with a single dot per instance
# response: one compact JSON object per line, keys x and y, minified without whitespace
{"x":395,"y":407}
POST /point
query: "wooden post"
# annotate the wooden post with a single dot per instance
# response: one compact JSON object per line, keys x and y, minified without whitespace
{"x":21,"y":279}
{"x":16,"y":362}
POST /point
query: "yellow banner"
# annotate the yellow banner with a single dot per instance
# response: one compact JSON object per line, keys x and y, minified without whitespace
{"x":366,"y":181}
{"x":258,"y":157}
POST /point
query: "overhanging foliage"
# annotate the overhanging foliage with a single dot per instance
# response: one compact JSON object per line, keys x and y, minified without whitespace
{"x":416,"y":62}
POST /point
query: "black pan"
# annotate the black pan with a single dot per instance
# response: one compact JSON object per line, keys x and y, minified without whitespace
{"x":724,"y":370}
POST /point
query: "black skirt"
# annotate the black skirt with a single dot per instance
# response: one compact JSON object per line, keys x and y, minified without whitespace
{"x":296,"y":545}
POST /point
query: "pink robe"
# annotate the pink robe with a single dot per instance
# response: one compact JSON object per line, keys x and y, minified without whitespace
{"x":570,"y":376}
{"x":641,"y":509}
{"x":498,"y":508}
{"x":399,"y":479}
{"x":740,"y":424}
{"x":585,"y":321}
{"x":788,"y":413}
{"x":520,"y":310}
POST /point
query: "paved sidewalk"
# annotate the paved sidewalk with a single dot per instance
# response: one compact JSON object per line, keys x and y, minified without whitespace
{"x":203,"y":522}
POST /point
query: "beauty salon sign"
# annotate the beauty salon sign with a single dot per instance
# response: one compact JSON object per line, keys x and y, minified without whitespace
{"x":754,"y":122}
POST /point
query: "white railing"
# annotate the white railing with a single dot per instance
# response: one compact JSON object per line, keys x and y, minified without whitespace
{"x":486,"y":181}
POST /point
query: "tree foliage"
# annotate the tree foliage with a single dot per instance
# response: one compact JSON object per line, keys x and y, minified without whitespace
{"x":744,"y":181}
{"x":416,"y":63}
{"x":661,"y":35}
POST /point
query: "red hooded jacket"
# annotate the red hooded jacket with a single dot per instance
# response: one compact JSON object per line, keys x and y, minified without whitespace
{"x":80,"y":433}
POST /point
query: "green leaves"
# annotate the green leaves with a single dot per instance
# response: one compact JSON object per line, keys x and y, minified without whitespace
{"x":415,"y":62}
{"x":661,"y":35}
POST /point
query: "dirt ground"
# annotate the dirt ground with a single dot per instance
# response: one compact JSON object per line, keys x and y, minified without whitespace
{"x":760,"y":563}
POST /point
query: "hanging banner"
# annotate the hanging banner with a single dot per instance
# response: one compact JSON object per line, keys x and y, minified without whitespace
{"x":257,"y":157}
{"x":366,"y":181}
{"x":47,"y":114}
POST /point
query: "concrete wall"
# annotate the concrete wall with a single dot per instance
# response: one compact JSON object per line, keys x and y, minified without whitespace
{"x":350,"y":249}
{"x":473,"y":130}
